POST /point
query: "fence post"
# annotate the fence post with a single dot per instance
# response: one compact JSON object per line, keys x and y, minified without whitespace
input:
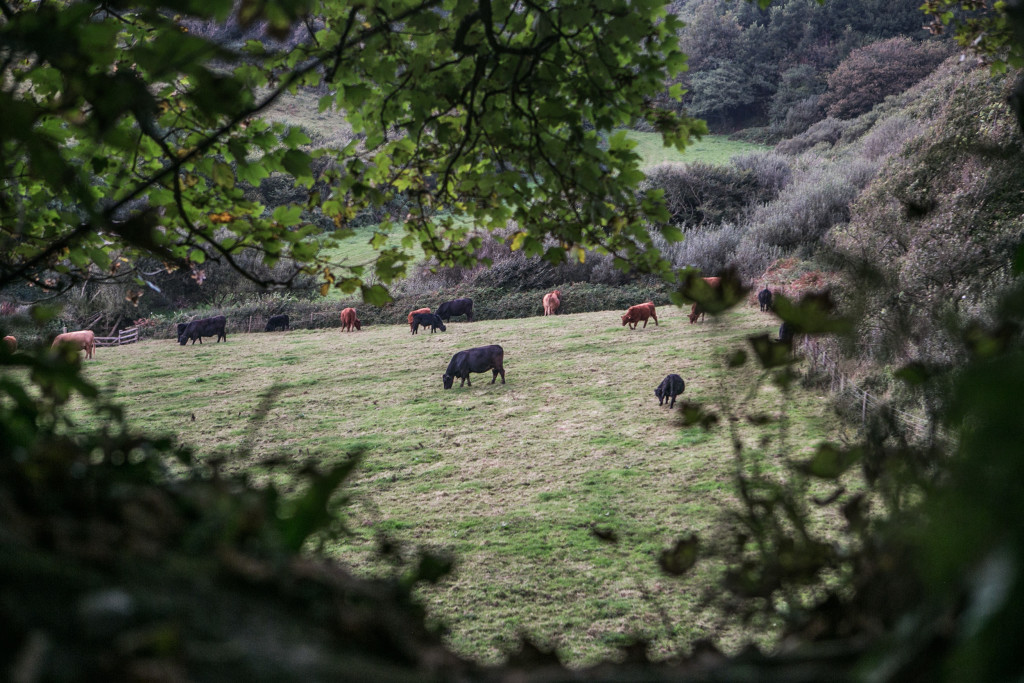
{"x":864,"y":409}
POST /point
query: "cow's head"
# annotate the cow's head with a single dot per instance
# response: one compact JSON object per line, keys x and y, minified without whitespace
{"x":659,"y":393}
{"x":625,"y":320}
{"x":441,"y":326}
{"x":182,"y":340}
{"x":358,"y":326}
{"x":448,"y":380}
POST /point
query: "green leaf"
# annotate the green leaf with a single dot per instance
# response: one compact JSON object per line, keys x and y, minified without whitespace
{"x":223,"y":175}
{"x":679,"y":559}
{"x":830,"y":462}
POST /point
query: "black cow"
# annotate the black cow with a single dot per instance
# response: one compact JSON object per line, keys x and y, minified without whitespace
{"x":480,"y":359}
{"x":764,"y":297}
{"x":786,"y":334}
{"x":207,"y":327}
{"x":670,"y":387}
{"x":181,"y":329}
{"x":278,"y":322}
{"x":430,"y":320}
{"x":463,"y":306}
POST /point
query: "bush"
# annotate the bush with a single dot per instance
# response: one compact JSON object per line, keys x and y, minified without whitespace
{"x":709,"y":248}
{"x":700,"y":194}
{"x":826,"y":131}
{"x":875,"y":71}
{"x":814,"y":202}
{"x":888,"y":136}
{"x":801,"y":116}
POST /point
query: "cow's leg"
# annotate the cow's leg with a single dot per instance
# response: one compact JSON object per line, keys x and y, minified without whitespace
{"x":645,"y":324}
{"x":655,"y":319}
{"x":672,"y":403}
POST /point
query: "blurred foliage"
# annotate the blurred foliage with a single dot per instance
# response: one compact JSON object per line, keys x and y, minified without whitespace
{"x":129,"y":135}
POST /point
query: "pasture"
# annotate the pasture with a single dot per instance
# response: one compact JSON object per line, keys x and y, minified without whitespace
{"x":510,"y":478}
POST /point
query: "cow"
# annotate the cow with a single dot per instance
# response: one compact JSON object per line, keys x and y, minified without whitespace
{"x":639,"y":312}
{"x":697,"y":311}
{"x":205,"y":327}
{"x":349,"y":319}
{"x":181,"y":330}
{"x":551,"y":302}
{"x":11,"y":344}
{"x":480,"y":359}
{"x":412,"y":313}
{"x":463,"y":306}
{"x":84,"y":340}
{"x":764,"y":298}
{"x":670,"y":387}
{"x":278,"y":322}
{"x":431,"y":320}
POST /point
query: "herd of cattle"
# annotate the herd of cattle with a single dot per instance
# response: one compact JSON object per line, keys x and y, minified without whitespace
{"x":477,"y":360}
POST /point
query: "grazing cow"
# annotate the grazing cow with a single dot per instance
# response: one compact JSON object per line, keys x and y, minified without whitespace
{"x":84,"y":340}
{"x":412,"y":313}
{"x":181,"y":329}
{"x":697,"y":311}
{"x":431,"y":320}
{"x":670,"y":387}
{"x":11,"y":344}
{"x":278,"y":322}
{"x":639,"y":312}
{"x":349,"y":319}
{"x":463,"y":306}
{"x":205,"y":327}
{"x":764,"y":297}
{"x":480,"y":359}
{"x":552,"y":301}
{"x":786,"y":334}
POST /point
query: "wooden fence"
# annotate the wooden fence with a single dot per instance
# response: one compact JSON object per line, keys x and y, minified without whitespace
{"x":917,"y":426}
{"x":128,"y":336}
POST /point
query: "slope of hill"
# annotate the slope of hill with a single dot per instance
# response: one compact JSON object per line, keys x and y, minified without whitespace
{"x":511,"y":478}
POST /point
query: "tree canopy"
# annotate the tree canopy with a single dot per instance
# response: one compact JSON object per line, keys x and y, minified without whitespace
{"x":126,"y":134}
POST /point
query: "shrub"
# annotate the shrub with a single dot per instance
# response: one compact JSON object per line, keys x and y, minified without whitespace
{"x":709,"y":248}
{"x":816,"y":200}
{"x":771,"y":170}
{"x":699,"y":193}
{"x":826,"y":131}
{"x":801,"y":116}
{"x":888,"y":136}
{"x":875,"y":71}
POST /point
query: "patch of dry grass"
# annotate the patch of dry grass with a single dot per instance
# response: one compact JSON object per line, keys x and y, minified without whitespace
{"x":508,"y":477}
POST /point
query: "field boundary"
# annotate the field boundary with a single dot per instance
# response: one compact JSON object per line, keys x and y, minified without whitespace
{"x":127,"y":336}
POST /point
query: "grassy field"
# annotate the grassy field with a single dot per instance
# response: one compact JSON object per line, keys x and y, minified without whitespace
{"x":716,"y":150}
{"x":511,"y":477}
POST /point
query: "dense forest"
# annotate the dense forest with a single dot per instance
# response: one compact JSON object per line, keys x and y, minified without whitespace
{"x":888,"y":214}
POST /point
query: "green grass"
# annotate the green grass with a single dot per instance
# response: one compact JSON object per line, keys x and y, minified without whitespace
{"x":711,"y":149}
{"x":510,"y":478}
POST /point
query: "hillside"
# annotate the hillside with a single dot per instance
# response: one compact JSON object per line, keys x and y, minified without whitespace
{"x":509,"y":478}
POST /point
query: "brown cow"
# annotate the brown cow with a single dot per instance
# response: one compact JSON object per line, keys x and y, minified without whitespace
{"x":697,"y":311}
{"x":552,"y":302}
{"x":639,"y":312}
{"x":348,"y":319}
{"x":412,"y":313}
{"x":11,"y":344}
{"x":83,"y":340}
